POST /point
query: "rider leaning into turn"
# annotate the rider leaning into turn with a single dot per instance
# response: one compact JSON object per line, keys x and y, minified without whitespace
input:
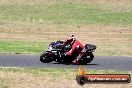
{"x":76,"y":45}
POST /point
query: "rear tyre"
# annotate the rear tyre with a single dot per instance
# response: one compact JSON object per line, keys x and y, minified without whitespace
{"x":59,"y":61}
{"x":87,"y":58}
{"x":45,"y":58}
{"x":91,"y":57}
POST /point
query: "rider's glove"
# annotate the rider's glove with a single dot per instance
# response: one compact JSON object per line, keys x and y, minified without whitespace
{"x":67,"y":46}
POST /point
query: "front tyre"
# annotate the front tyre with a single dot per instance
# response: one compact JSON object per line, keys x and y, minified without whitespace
{"x":45,"y":58}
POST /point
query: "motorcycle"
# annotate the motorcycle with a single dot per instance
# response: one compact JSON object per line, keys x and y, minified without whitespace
{"x":57,"y":49}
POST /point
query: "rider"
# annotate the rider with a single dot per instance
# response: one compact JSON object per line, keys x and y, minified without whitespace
{"x":76,"y":45}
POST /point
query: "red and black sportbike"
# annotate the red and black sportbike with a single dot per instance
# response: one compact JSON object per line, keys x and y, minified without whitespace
{"x":56,"y":52}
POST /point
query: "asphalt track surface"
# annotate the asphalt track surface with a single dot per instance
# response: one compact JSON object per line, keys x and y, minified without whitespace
{"x":99,"y":62}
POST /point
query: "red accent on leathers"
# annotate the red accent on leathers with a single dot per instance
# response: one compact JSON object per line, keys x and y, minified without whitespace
{"x":74,"y":47}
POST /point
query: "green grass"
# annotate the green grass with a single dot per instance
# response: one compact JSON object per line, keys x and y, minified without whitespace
{"x":114,"y":51}
{"x":60,"y":71}
{"x":2,"y":86}
{"x":63,"y":13}
{"x":31,"y":47}
{"x":22,"y":47}
{"x":56,"y":13}
{"x":130,"y":36}
{"x":52,"y":75}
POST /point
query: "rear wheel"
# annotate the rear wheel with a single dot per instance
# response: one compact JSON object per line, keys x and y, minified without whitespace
{"x":59,"y":61}
{"x":45,"y":58}
{"x":87,"y":58}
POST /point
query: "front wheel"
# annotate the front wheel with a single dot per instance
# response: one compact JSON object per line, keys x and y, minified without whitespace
{"x":45,"y":58}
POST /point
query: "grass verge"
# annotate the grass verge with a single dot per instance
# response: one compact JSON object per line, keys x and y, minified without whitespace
{"x":22,"y":47}
{"x":60,"y":71}
{"x":32,"y":47}
{"x":49,"y":77}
